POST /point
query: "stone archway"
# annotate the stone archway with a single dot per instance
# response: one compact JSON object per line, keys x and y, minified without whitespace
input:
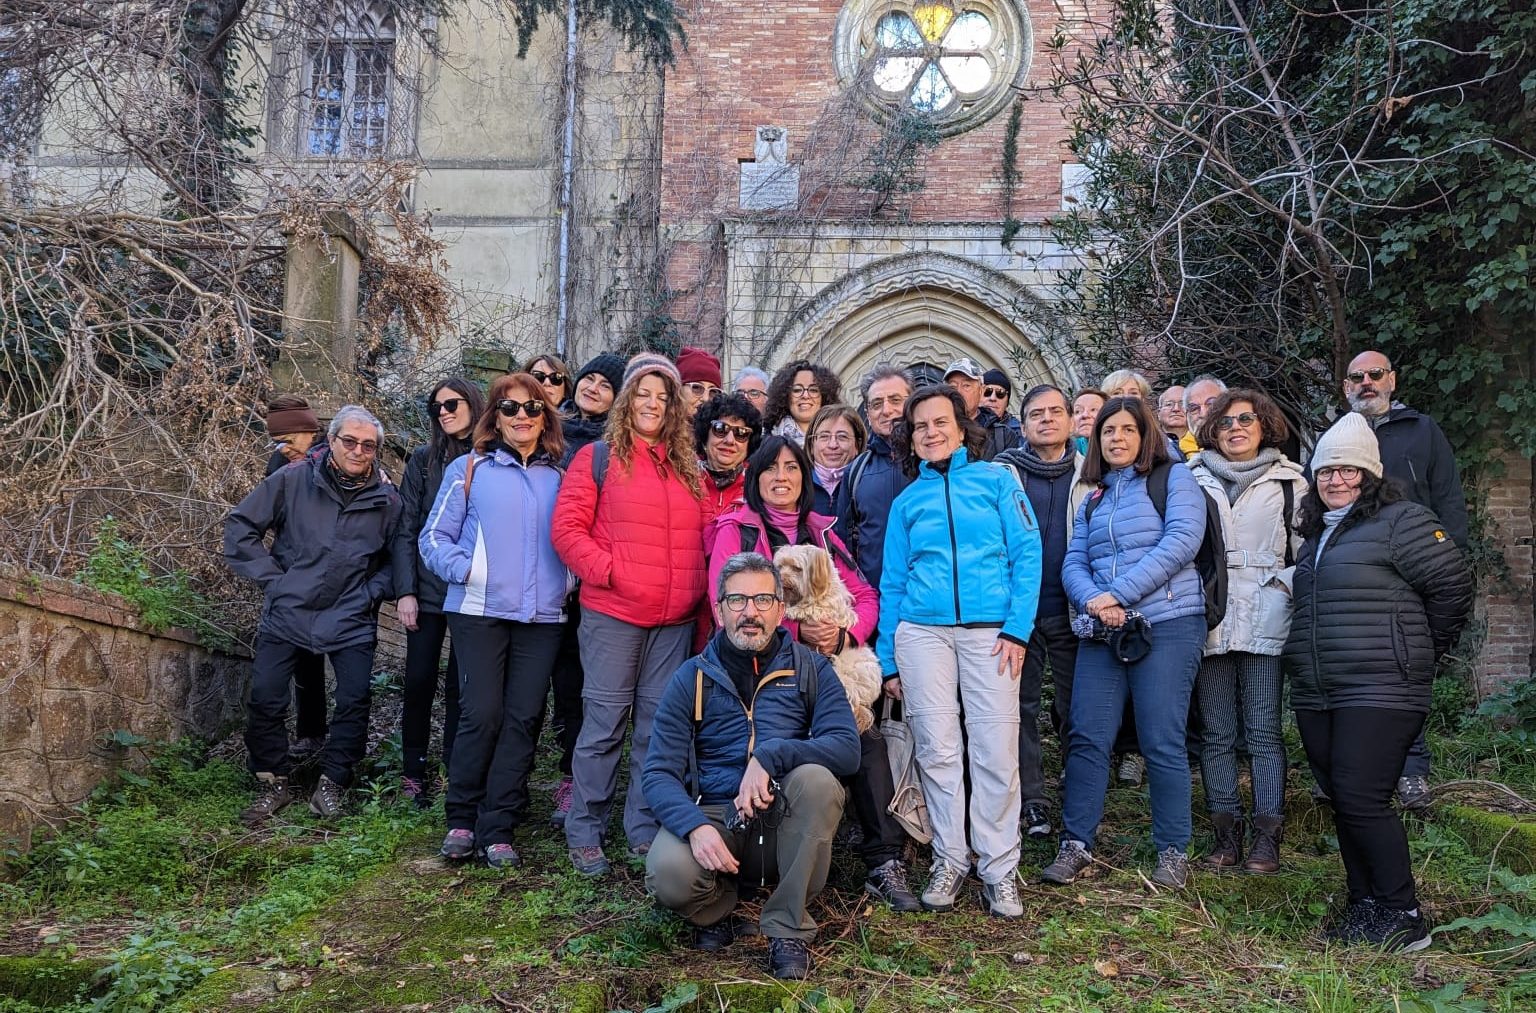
{"x":931,"y":307}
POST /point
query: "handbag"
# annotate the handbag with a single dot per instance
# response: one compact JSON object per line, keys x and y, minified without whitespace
{"x":907,"y":803}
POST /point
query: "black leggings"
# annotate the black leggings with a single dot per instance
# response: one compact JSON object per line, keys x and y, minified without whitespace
{"x":1357,"y":754}
{"x":423,"y":652}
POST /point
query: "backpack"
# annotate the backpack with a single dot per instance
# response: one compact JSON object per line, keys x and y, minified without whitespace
{"x":1210,"y":560}
{"x":807,"y":680}
{"x":855,"y":472}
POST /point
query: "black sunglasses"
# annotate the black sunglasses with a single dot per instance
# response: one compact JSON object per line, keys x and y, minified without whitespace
{"x":543,"y":377}
{"x":509,"y":409}
{"x":719,"y":427}
{"x":1244,"y":419}
{"x":450,"y":406}
{"x":1375,"y":373}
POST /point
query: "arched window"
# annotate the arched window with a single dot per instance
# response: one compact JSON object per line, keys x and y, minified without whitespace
{"x":349,"y":89}
{"x":955,"y":62}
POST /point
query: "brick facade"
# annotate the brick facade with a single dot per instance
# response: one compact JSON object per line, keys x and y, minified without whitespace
{"x":1508,"y":607}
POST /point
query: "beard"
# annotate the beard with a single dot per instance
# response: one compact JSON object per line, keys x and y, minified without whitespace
{"x":750,"y":636}
{"x":1375,"y":403}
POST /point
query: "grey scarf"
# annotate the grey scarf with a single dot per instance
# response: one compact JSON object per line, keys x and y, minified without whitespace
{"x":1025,"y":457}
{"x":1331,"y":521}
{"x":1237,"y":476}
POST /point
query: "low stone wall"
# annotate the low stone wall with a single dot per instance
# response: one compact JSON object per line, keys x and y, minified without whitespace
{"x":76,"y":665}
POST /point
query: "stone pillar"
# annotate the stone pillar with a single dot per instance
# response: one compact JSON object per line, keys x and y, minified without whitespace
{"x":1507,"y":605}
{"x":320,"y":306}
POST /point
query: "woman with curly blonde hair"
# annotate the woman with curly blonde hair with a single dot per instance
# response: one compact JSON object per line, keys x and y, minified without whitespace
{"x":629,"y":523}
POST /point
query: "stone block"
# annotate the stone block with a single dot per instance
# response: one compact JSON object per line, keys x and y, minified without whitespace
{"x":74,"y":659}
{"x":66,"y":721}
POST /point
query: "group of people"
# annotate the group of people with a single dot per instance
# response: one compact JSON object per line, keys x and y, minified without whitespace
{"x":607,"y":539}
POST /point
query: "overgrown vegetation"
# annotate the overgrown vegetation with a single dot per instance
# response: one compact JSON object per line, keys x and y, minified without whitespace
{"x":119,"y":567}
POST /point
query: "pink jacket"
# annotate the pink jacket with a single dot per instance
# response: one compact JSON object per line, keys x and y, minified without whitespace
{"x":726,"y":542}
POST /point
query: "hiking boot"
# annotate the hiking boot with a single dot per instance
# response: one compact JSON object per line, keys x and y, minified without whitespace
{"x":458,"y":845}
{"x":271,"y":795}
{"x":589,"y":861}
{"x":888,"y":882}
{"x":1397,"y":931}
{"x":1036,"y":820}
{"x":716,"y":937}
{"x":1002,"y":899}
{"x":1133,"y":770}
{"x":1351,"y":926}
{"x":788,"y":959}
{"x":1172,"y":869}
{"x":1228,"y":850}
{"x":327,"y":799}
{"x":638,"y":852}
{"x":1413,"y":793}
{"x":305,"y":748}
{"x":1071,"y":859}
{"x":563,"y":794}
{"x":944,"y":885}
{"x":502,"y":856}
{"x":1264,"y":856}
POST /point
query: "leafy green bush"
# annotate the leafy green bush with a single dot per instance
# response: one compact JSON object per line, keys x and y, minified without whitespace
{"x":119,"y":567}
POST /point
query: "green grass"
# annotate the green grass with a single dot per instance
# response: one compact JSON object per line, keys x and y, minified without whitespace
{"x":155,"y":898}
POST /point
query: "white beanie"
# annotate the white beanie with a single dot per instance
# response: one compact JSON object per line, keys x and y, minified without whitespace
{"x":1349,"y":443}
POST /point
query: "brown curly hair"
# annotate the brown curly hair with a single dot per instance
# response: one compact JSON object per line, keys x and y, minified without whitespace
{"x":778,"y":391}
{"x":1271,"y":420}
{"x":676,"y":429}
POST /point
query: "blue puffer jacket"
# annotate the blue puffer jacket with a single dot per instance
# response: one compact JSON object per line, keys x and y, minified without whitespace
{"x":778,"y":731}
{"x":1129,"y":551}
{"x":961,"y":547}
{"x":493,"y":546}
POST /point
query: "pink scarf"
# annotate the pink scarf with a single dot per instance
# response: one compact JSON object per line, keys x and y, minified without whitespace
{"x":828,"y":478}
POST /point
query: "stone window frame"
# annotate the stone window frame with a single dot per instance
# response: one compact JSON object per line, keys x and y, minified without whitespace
{"x":854,"y":36}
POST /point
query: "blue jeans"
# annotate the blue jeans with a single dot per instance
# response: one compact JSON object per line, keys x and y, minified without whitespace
{"x":1160,"y":686}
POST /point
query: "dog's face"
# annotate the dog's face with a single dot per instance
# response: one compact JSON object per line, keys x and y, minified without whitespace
{"x":805,"y":571}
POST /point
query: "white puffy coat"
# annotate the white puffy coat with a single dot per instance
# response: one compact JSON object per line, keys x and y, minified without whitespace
{"x":1258,"y":615}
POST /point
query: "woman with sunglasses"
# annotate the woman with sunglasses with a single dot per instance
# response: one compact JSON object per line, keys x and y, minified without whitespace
{"x":488,"y":537}
{"x":1256,"y":489}
{"x":835,"y":437}
{"x":452,"y":410}
{"x":630,"y":524}
{"x":795,"y":396}
{"x":1381,"y":592}
{"x":554,"y":377}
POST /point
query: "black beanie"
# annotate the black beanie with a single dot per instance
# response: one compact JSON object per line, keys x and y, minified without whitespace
{"x":997,"y":378}
{"x":609,"y":365}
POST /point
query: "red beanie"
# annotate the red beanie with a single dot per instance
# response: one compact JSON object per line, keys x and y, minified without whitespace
{"x":698,"y":366}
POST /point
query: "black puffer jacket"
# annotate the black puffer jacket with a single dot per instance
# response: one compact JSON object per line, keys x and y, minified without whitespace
{"x":418,"y":491}
{"x":1000,"y":435}
{"x":1388,"y":597}
{"x":331,"y":563}
{"x":579,"y":432}
{"x":1416,"y":453}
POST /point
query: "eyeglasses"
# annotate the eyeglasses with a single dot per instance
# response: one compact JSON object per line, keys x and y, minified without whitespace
{"x":277,"y":444}
{"x":353,"y":445}
{"x":894,"y":401}
{"x":450,"y":405}
{"x":1348,"y":474}
{"x":828,"y":436}
{"x":1244,"y":419}
{"x":558,"y":379}
{"x":738,"y":602}
{"x":804,"y":390}
{"x":753,"y":394}
{"x":509,"y":409}
{"x":1171,"y":406}
{"x":994,"y":392}
{"x":720,"y":427}
{"x":702,"y":390}
{"x":1375,"y":373}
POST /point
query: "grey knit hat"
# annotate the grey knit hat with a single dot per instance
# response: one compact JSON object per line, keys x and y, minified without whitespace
{"x":651,"y":362}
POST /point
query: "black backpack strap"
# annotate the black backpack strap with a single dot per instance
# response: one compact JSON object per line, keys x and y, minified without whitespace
{"x":806,"y":676}
{"x":749,"y":536}
{"x":599,"y":463}
{"x":1157,"y":487}
{"x":1094,"y":498}
{"x":1289,"y":492}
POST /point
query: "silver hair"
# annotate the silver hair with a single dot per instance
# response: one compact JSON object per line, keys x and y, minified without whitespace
{"x":355,"y":413}
{"x":1202,"y":378}
{"x":748,"y":562}
{"x":884,"y":371}
{"x":751,"y":373}
{"x":1118,"y":379}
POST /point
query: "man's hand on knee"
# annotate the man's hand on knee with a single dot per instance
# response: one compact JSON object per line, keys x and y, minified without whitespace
{"x":709,"y":850}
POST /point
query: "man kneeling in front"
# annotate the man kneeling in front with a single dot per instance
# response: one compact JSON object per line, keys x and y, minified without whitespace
{"x":747,"y":747}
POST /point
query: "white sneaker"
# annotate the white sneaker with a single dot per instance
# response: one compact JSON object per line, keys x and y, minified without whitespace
{"x":944,"y":885}
{"x":1003,"y":898}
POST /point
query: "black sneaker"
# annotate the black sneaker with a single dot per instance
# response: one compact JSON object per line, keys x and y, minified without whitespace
{"x":458,"y":845}
{"x":888,"y":882}
{"x":271,"y":795}
{"x":716,"y":937}
{"x":1398,"y":931}
{"x":327,"y":800}
{"x":1071,"y":859}
{"x":1036,"y":820}
{"x":1351,"y":926}
{"x":789,"y":959}
{"x":1413,"y":792}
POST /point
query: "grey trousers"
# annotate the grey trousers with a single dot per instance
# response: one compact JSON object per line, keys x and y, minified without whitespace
{"x":1252,"y":682}
{"x":626,"y":669}
{"x":796,"y":855}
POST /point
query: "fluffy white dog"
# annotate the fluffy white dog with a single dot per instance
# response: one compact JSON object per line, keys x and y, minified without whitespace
{"x":813,"y":591}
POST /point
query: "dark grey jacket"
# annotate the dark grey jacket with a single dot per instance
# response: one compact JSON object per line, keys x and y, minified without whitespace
{"x":1415,"y":452}
{"x":870,"y":485}
{"x":330,"y":566}
{"x":1369,"y":620}
{"x":1000,"y":435}
{"x":418,"y":491}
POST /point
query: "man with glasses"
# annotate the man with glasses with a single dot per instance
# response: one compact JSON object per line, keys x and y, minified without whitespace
{"x":1201,"y":393}
{"x":332,"y":562}
{"x":996,"y":390}
{"x":752,"y":384}
{"x":747,"y":747}
{"x":1170,"y":412}
{"x":1416,"y":454}
{"x":701,"y":377}
{"x":968,"y":378}
{"x":874,"y":479}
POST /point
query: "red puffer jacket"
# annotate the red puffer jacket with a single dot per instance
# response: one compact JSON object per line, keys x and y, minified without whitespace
{"x":638,"y":545}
